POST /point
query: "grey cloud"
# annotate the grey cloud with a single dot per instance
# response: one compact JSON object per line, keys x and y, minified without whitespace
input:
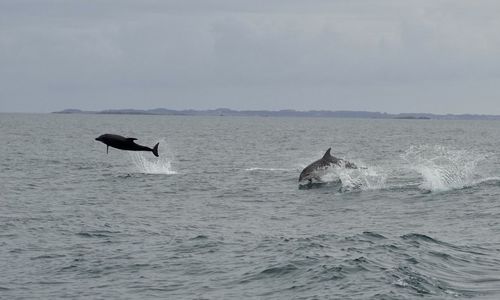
{"x":379,"y":55}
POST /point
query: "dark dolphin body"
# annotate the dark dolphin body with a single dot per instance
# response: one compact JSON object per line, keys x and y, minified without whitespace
{"x":313,"y":171}
{"x":123,"y":143}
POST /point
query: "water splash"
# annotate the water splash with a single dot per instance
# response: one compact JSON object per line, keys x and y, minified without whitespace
{"x":444,"y":169}
{"x":147,"y":164}
{"x":365,"y":179}
{"x":372,"y":178}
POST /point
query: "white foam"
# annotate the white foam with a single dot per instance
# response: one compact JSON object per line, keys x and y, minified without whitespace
{"x":365,"y":178}
{"x":362,"y":179}
{"x":148,"y":164}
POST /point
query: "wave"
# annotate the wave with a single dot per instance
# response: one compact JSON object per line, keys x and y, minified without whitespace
{"x":444,"y":169}
{"x":147,"y":164}
{"x":412,"y":265}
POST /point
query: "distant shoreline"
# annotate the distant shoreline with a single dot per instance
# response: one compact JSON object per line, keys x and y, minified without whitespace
{"x":284,"y":113}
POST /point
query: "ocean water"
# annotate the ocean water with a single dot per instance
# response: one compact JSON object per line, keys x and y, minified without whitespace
{"x":220,"y":214}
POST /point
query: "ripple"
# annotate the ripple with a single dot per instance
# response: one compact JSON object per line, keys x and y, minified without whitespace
{"x":279,"y":270}
{"x":96,"y":233}
{"x":374,"y":235}
{"x":419,"y":237}
{"x":48,"y":256}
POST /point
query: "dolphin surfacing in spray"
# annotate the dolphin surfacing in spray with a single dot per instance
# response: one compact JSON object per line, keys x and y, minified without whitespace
{"x":316,"y":169}
{"x":124,"y":143}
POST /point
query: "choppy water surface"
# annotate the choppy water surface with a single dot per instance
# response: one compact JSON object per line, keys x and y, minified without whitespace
{"x":219,"y":215}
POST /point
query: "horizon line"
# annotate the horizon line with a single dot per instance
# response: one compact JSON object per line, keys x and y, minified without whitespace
{"x":221,"y":111}
{"x":124,"y":110}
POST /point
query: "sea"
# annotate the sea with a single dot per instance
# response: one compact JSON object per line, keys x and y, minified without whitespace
{"x":220,"y":213}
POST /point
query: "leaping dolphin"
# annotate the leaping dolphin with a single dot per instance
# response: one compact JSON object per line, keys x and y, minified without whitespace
{"x":317,"y":168}
{"x":124,"y":143}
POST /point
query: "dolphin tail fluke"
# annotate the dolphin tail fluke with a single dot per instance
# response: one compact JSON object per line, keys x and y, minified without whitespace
{"x":155,"y":150}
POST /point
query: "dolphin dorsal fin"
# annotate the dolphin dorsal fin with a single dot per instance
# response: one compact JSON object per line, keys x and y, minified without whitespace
{"x":327,"y":153}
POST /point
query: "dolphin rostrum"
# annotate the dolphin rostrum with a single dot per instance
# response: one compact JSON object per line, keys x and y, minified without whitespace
{"x":124,"y":143}
{"x":315,"y":169}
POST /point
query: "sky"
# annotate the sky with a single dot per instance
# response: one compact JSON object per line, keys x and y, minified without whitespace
{"x":438,"y":56}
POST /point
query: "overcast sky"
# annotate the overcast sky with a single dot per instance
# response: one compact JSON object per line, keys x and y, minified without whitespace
{"x":440,"y":56}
